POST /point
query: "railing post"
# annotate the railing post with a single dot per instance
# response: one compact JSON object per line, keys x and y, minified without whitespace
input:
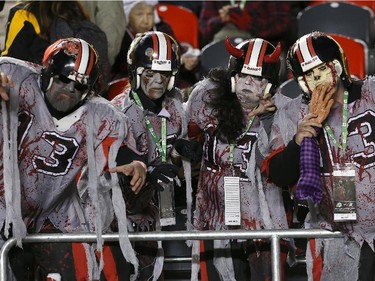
{"x":275,"y":257}
{"x":4,"y":257}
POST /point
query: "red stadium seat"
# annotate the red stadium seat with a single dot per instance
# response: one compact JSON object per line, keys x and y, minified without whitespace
{"x":115,"y":87}
{"x":183,"y":22}
{"x":343,"y":18}
{"x":356,"y":52}
{"x":370,"y":4}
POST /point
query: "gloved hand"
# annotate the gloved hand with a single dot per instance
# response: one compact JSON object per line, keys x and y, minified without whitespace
{"x":191,"y":150}
{"x":135,"y":203}
{"x":124,"y":181}
{"x":162,"y":172}
{"x":241,"y":20}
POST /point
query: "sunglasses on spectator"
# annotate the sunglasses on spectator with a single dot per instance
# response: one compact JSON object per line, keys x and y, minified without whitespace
{"x":78,"y":86}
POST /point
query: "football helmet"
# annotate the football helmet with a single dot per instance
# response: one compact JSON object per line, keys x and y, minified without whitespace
{"x":71,"y":58}
{"x":153,"y":50}
{"x":314,"y":49}
{"x":256,"y":57}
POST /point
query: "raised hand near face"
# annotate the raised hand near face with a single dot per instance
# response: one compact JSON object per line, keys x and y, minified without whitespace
{"x":321,"y":102}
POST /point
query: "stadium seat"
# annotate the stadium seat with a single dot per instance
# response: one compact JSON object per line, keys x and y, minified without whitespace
{"x":215,"y":55}
{"x":370,"y":4}
{"x":342,"y":18}
{"x":183,"y":22}
{"x":115,"y":87}
{"x":356,"y":53}
{"x":290,"y":88}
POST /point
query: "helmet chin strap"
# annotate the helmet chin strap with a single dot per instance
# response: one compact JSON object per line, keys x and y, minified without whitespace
{"x":138,"y":77}
{"x":267,"y":89}
{"x":233,"y":84}
{"x":338,"y":67}
{"x":171,"y":82}
{"x":303,"y":86}
{"x":49,"y":84}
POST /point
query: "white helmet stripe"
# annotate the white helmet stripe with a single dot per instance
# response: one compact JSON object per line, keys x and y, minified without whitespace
{"x":163,"y":63}
{"x":253,"y":67}
{"x":84,"y":58}
{"x":309,"y":60}
{"x":163,"y":47}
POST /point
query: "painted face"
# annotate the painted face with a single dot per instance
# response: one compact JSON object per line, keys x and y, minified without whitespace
{"x":320,"y":74}
{"x":247,"y":88}
{"x":64,"y":93}
{"x":154,"y":83}
{"x":141,"y":18}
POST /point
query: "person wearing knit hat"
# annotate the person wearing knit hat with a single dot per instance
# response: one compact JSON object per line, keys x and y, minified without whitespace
{"x":141,"y":16}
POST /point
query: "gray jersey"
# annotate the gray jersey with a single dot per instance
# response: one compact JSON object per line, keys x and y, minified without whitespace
{"x":360,"y":151}
{"x":52,"y":153}
{"x":261,"y":205}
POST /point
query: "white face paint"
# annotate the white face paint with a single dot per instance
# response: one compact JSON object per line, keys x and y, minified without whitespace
{"x":63,"y":95}
{"x":247,"y":88}
{"x":321,"y":74}
{"x":154,"y":83}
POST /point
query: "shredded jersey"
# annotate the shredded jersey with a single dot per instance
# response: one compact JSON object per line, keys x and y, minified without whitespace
{"x":51,"y":154}
{"x":145,"y":144}
{"x":360,"y":151}
{"x":261,"y":205}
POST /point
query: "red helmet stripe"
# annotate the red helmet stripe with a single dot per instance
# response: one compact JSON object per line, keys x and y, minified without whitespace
{"x":155,"y":42}
{"x":299,"y":55}
{"x":261,"y":54}
{"x":310,"y":46}
{"x":249,"y":52}
{"x":84,"y":62}
{"x":169,"y":48}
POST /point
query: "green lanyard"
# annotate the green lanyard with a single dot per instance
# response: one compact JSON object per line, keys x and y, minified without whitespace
{"x":344,"y":126}
{"x":163,"y":147}
{"x":231,"y":146}
{"x":241,"y":4}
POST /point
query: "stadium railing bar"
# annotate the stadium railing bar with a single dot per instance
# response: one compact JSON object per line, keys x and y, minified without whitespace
{"x":273,"y":235}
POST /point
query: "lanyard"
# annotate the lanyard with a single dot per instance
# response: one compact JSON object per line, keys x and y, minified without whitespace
{"x":231,"y":146}
{"x":241,"y":4}
{"x":163,"y":147}
{"x":344,"y":126}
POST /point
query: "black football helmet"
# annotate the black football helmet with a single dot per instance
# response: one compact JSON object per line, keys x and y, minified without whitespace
{"x":72,"y":58}
{"x":256,"y":57}
{"x":153,"y":50}
{"x":314,"y":49}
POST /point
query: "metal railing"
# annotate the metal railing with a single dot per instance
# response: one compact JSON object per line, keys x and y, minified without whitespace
{"x":273,"y":235}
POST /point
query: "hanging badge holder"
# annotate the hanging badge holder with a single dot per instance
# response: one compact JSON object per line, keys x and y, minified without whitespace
{"x":166,"y":204}
{"x":232,"y":201}
{"x":344,"y":194}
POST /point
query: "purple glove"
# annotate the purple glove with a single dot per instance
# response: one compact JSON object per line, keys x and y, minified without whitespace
{"x":309,"y":185}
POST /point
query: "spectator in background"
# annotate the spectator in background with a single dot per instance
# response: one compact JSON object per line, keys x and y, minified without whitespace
{"x":141,"y":17}
{"x":108,"y":16}
{"x":34,"y":25}
{"x":270,"y":20}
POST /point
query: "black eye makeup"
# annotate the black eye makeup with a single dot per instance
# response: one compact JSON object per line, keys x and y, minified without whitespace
{"x":78,"y":86}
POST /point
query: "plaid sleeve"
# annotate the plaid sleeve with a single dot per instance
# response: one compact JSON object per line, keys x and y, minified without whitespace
{"x":269,"y":19}
{"x":209,"y":21}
